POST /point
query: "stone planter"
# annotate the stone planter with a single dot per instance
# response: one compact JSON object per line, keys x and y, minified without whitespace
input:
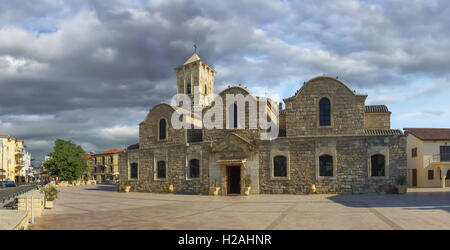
{"x":49,"y":204}
{"x":215,"y":191}
{"x":313,"y":189}
{"x":401,"y":189}
{"x":171,"y":188}
{"x":127,"y":189}
{"x":246,"y":191}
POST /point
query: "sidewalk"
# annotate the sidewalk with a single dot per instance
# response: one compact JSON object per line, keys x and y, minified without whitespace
{"x":11,"y":219}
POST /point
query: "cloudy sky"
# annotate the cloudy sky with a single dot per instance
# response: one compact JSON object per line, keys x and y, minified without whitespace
{"x":89,"y":71}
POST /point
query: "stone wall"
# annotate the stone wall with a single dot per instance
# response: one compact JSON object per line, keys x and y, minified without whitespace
{"x":148,"y":129}
{"x":347,"y":109}
{"x":377,"y":120}
{"x":352,"y":166}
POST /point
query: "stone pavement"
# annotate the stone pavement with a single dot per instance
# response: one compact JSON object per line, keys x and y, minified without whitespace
{"x":100,"y":207}
{"x":10,"y":219}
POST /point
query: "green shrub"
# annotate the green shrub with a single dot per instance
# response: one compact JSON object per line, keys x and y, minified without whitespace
{"x":216,"y":183}
{"x":126,"y":183}
{"x":401,"y":180}
{"x":50,"y":192}
{"x":247,"y":181}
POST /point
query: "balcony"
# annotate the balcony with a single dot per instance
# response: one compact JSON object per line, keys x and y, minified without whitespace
{"x":444,"y":158}
{"x":442,"y":162}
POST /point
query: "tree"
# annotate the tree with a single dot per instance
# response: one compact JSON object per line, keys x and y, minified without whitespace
{"x":67,"y":161}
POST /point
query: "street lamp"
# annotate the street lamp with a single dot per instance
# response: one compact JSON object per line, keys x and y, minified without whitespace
{"x":1,"y":144}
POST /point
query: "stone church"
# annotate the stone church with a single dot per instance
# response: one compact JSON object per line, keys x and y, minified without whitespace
{"x":327,"y":137}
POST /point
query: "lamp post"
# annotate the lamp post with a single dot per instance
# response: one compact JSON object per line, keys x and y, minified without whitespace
{"x":1,"y":146}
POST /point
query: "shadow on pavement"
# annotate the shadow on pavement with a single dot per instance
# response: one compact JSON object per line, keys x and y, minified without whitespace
{"x":104,"y":187}
{"x":409,"y":201}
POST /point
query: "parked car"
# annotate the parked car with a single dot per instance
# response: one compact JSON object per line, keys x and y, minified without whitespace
{"x":8,"y":184}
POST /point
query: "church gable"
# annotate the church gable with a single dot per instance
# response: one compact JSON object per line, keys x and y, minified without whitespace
{"x":344,"y":109}
{"x":233,"y":144}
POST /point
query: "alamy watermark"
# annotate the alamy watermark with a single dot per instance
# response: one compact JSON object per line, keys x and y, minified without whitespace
{"x":263,"y":113}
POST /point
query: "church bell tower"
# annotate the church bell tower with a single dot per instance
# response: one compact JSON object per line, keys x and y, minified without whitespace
{"x":196,"y":79}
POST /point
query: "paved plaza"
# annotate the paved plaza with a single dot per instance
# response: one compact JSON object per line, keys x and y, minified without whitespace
{"x":101,"y":207}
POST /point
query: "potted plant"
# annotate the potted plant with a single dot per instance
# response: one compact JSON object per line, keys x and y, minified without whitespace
{"x":247,"y":185}
{"x":215,"y":188}
{"x":50,"y":194}
{"x":401,"y":184}
{"x":126,"y":186}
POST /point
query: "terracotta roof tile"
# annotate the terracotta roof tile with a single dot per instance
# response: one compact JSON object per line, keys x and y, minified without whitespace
{"x":376,"y":109}
{"x":430,"y":134}
{"x":111,"y":151}
{"x":383,"y":132}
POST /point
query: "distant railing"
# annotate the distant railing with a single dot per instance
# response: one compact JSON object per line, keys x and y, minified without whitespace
{"x":6,"y":195}
{"x":441,"y":157}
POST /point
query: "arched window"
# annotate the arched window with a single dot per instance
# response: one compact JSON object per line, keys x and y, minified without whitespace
{"x":162,"y":129}
{"x":378,"y":165}
{"x":188,"y":87}
{"x":194,"y":168}
{"x":280,"y":166}
{"x":233,"y":112}
{"x":324,"y":112}
{"x":161,"y":171}
{"x":325,"y":165}
{"x":133,"y":171}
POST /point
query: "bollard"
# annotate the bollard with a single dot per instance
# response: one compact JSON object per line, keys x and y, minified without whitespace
{"x":32,"y":212}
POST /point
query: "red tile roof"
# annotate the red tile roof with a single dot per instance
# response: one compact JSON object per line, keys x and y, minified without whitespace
{"x":430,"y":134}
{"x":111,"y":151}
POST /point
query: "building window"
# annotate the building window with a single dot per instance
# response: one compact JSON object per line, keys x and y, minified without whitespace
{"x":234,"y":112}
{"x":414,"y":152}
{"x":188,"y":89}
{"x":325,"y":165}
{"x":103,"y":160}
{"x":445,"y":153}
{"x":162,"y":129}
{"x":378,"y":165}
{"x":111,"y":169}
{"x":430,"y":174}
{"x":324,"y":112}
{"x":280,"y":166}
{"x":111,"y":159}
{"x":161,"y":171}
{"x":206,"y":90}
{"x":194,"y":168}
{"x":133,"y":171}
